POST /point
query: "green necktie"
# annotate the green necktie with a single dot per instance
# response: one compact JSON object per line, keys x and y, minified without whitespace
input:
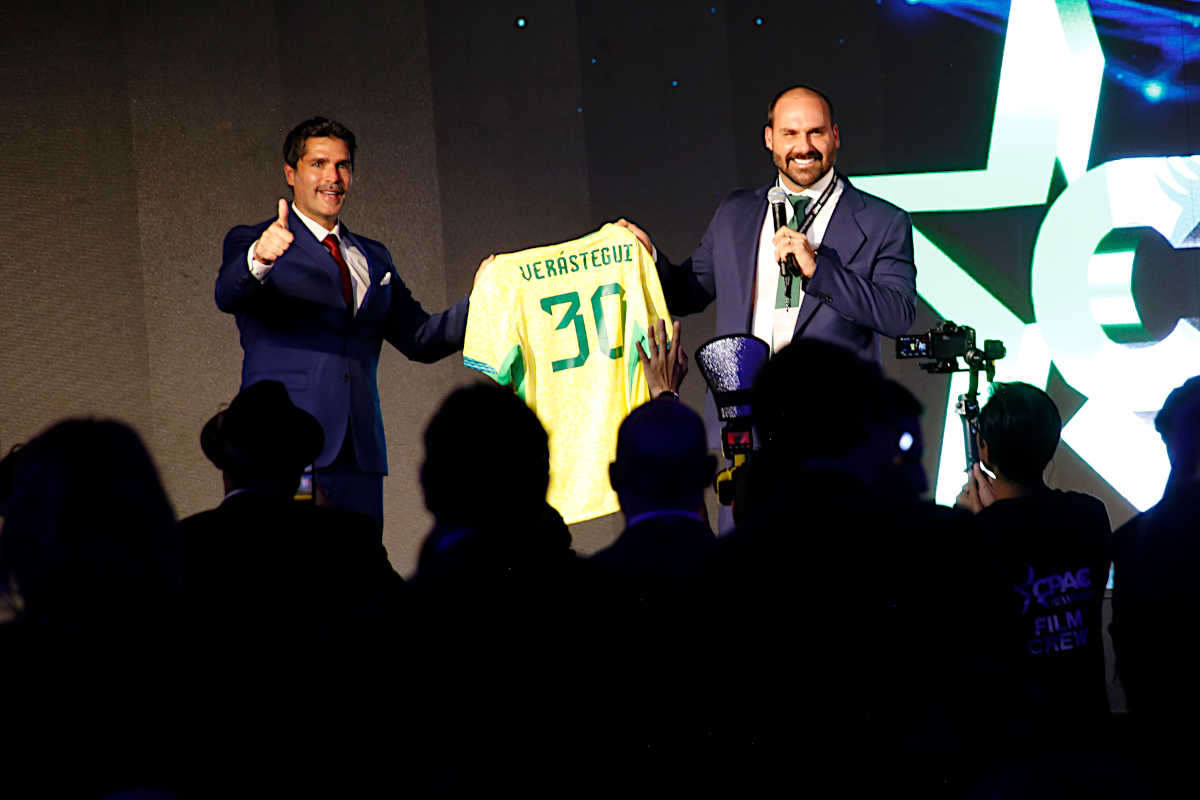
{"x":799,"y":204}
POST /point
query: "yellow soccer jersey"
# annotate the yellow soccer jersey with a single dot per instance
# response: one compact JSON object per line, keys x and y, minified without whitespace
{"x":559,"y":323}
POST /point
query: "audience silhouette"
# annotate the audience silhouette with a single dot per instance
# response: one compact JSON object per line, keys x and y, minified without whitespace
{"x":265,"y":578}
{"x":831,"y":576}
{"x":908,"y":475}
{"x":91,"y":563}
{"x":502,"y":628}
{"x":847,"y":638}
{"x":8,"y":469}
{"x":1156,"y":558}
{"x":661,"y":471}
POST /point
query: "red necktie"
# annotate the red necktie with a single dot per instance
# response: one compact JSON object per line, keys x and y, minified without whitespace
{"x":331,"y":243}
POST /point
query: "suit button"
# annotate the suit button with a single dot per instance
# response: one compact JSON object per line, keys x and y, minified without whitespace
{"x":346,"y":377}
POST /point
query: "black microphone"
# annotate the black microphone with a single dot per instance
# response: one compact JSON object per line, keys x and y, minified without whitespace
{"x":777,"y":197}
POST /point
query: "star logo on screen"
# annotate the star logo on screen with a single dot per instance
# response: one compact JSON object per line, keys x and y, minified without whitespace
{"x":1080,"y":280}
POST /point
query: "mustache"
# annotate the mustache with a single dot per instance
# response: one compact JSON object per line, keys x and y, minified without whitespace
{"x":332,"y":187}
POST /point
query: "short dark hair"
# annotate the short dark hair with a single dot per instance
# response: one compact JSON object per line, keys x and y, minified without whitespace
{"x":1021,"y":426}
{"x":487,"y":458}
{"x":800,"y":86}
{"x":815,"y":399}
{"x":315,"y":128}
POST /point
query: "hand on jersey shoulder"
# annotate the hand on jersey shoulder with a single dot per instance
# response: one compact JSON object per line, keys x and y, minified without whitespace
{"x":641,"y":235}
{"x":483,"y":265}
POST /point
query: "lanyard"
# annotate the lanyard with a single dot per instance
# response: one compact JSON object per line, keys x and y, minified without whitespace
{"x":810,"y":214}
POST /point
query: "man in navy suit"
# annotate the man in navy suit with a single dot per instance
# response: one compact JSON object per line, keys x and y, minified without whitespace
{"x":857,"y":278}
{"x":314,"y":303}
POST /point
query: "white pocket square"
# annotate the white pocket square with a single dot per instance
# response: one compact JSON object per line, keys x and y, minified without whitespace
{"x":387,"y":278}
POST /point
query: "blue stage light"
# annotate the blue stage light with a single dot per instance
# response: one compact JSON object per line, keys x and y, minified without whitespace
{"x":674,"y":83}
{"x":758,"y":20}
{"x":520,"y":22}
{"x":1153,"y":90}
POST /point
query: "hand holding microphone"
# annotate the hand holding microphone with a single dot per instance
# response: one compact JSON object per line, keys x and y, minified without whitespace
{"x":793,"y":251}
{"x":276,"y":239}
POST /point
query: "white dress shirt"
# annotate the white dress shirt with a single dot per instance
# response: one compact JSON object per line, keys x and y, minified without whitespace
{"x":360,"y":272}
{"x":776,"y":326}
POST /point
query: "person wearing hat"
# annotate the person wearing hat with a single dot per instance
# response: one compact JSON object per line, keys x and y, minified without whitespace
{"x":265,"y":579}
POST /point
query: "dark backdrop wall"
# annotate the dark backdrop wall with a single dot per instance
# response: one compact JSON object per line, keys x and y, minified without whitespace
{"x":140,"y":132}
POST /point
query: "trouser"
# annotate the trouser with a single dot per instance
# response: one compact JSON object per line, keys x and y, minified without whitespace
{"x":347,"y":486}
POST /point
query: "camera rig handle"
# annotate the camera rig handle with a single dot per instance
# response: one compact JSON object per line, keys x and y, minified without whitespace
{"x":967,"y":406}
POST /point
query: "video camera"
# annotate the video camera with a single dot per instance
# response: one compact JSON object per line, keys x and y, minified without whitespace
{"x":945,"y":343}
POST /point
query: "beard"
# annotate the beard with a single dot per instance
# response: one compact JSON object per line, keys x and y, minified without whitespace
{"x":805,"y":176}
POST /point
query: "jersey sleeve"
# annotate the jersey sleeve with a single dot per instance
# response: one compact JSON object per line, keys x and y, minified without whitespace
{"x":493,"y":343}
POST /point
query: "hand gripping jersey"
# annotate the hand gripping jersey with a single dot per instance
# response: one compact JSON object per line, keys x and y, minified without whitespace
{"x":558,"y":324}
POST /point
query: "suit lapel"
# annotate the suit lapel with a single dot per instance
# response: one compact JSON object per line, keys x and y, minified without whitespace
{"x":375,"y":271}
{"x":844,"y":237}
{"x":745,"y":247}
{"x":841,"y":243}
{"x":318,"y":255}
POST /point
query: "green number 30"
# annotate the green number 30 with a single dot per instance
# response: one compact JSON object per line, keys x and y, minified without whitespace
{"x":573,"y":316}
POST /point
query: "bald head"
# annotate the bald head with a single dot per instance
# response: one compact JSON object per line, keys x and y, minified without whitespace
{"x":662,"y":457}
{"x":793,"y":92}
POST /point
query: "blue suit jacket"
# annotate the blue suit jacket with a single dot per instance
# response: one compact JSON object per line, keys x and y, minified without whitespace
{"x":864,"y":286}
{"x":296,"y":328}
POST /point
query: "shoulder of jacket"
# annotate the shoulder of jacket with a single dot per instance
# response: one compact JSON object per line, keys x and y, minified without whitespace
{"x":368,"y":241}
{"x":874,"y":204}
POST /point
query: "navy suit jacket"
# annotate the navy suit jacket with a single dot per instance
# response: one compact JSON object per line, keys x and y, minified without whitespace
{"x":864,"y":286}
{"x":296,"y":328}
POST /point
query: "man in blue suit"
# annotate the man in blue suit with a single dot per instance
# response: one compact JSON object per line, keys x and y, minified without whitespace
{"x":857,"y":278}
{"x":314,"y":303}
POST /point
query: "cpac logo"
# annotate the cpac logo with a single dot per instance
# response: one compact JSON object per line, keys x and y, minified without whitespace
{"x":1055,"y":589}
{"x":1045,"y":113}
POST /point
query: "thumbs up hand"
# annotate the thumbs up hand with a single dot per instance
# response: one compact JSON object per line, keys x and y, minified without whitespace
{"x":275,"y":240}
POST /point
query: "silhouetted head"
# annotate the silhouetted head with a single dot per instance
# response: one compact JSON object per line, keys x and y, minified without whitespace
{"x":817,"y":400}
{"x":908,"y":440}
{"x":89,"y":530}
{"x":1019,"y":429}
{"x":662,"y":459}
{"x":487,"y":459}
{"x":262,"y":439}
{"x":1178,"y":422}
